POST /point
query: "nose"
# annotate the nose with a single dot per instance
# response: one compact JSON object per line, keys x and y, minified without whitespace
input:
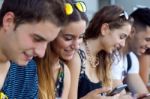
{"x":76,"y":44}
{"x":148,"y":45}
{"x":123,"y":43}
{"x":40,"y":50}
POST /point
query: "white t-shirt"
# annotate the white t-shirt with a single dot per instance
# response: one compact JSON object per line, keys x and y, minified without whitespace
{"x":119,"y":67}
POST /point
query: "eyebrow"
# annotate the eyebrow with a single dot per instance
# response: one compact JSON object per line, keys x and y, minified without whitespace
{"x":39,"y":37}
{"x":73,"y":35}
{"x":68,"y":35}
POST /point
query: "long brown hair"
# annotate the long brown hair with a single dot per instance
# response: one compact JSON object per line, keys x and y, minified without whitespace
{"x":111,"y":15}
{"x":45,"y":73}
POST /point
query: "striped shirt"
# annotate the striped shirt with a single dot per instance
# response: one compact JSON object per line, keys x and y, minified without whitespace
{"x":21,"y":82}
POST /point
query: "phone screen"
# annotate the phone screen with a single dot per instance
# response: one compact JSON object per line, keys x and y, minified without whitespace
{"x":117,"y":90}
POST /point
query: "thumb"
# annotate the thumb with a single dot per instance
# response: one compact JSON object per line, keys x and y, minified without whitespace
{"x":141,"y":96}
{"x":102,"y":90}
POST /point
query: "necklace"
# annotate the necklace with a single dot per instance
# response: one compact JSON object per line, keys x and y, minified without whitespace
{"x":94,"y":61}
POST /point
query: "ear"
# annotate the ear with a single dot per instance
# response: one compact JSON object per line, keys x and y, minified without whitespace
{"x":105,"y":29}
{"x":8,"y":20}
{"x":133,"y":31}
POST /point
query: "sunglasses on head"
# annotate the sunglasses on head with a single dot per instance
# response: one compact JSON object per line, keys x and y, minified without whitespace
{"x":125,"y":15}
{"x":80,"y":5}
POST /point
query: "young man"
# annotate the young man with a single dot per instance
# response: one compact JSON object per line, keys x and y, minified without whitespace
{"x":137,"y":45}
{"x":26,"y":27}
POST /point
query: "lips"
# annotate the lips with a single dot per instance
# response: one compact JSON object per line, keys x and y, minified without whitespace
{"x":116,"y":49}
{"x":70,"y":52}
{"x":27,"y":57}
{"x":142,"y":50}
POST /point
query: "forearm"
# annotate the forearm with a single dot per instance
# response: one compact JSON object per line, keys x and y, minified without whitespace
{"x":136,"y":84}
{"x":144,"y":67}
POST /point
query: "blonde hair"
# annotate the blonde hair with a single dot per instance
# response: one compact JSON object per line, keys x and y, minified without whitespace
{"x":45,"y":76}
{"x":103,"y":70}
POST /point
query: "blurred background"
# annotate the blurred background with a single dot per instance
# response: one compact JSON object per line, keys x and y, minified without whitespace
{"x":128,"y":5}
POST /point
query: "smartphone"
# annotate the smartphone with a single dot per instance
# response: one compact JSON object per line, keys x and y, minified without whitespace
{"x":117,"y":90}
{"x":147,"y":51}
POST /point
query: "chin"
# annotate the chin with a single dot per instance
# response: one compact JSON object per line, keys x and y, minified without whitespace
{"x":141,"y":53}
{"x":138,"y":54}
{"x":68,"y":58}
{"x":22,"y":63}
{"x":110,"y":51}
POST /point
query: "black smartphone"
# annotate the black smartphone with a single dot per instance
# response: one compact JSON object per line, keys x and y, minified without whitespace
{"x":147,"y":51}
{"x":117,"y":90}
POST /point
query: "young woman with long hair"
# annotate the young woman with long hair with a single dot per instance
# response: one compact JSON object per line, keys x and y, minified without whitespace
{"x":91,"y":66}
{"x":54,"y":75}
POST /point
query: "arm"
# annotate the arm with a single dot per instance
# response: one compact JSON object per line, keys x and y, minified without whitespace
{"x":144,"y":67}
{"x":136,"y":84}
{"x":96,"y":94}
{"x":67,"y":80}
{"x":74,"y":67}
{"x":133,"y":78}
{"x":118,"y":75}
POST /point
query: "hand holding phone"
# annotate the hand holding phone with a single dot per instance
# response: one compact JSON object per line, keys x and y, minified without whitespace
{"x":117,"y":90}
